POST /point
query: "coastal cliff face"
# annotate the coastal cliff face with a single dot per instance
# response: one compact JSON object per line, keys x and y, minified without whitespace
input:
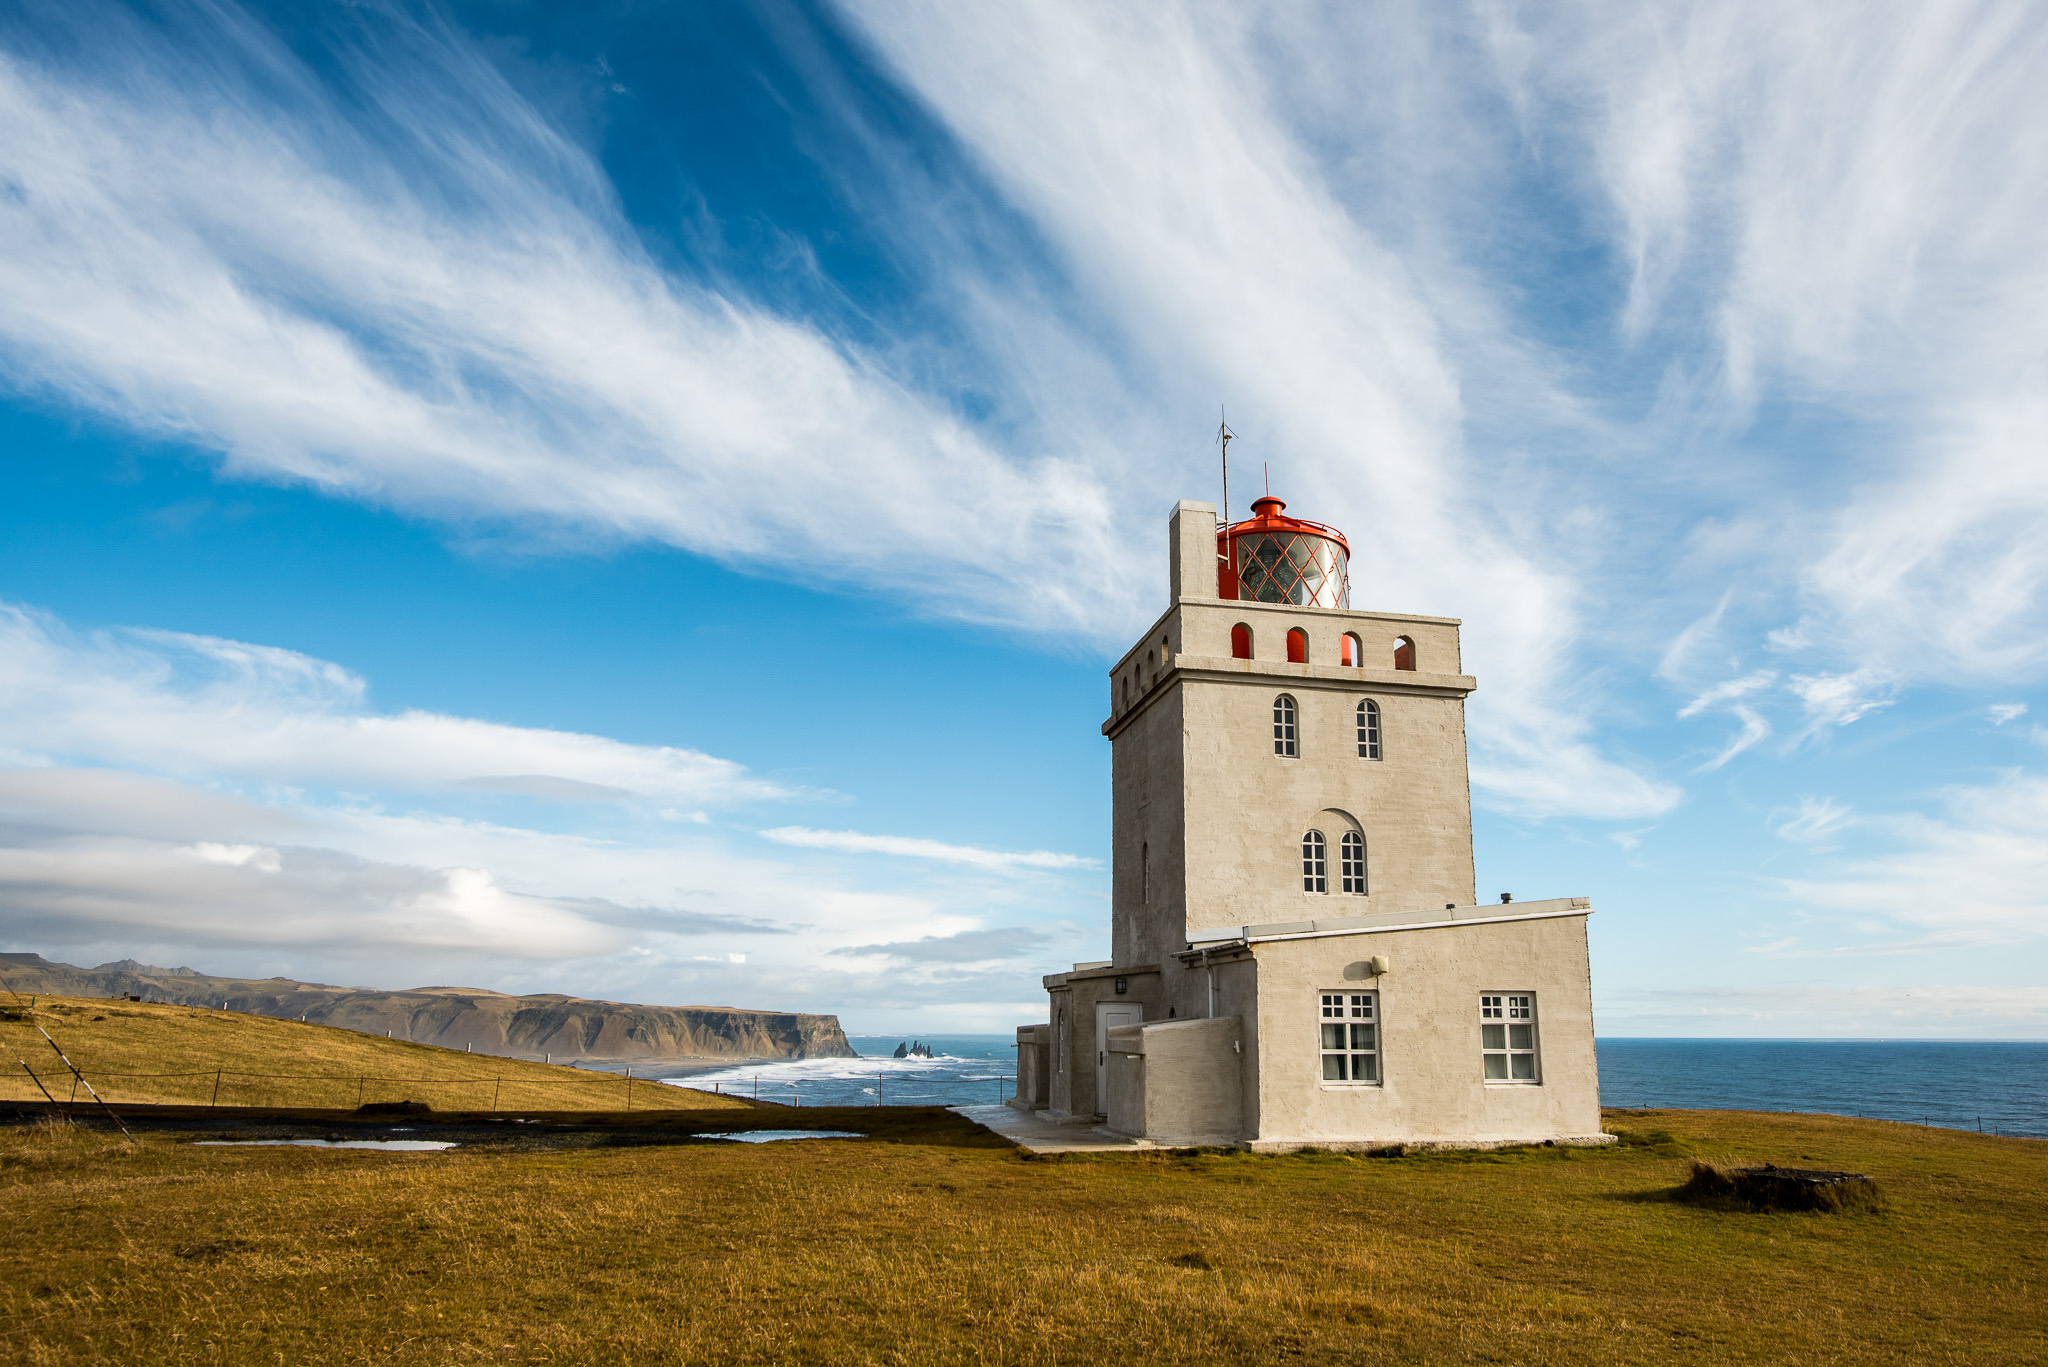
{"x":564,"y":1028}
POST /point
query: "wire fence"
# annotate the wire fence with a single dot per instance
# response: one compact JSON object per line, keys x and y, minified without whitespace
{"x":227,"y":1087}
{"x":843,"y":1091}
{"x":601,"y":1089}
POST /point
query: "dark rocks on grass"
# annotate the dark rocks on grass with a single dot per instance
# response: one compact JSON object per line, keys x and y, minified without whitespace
{"x":1771,"y":1187}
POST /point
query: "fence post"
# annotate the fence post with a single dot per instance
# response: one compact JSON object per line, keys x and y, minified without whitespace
{"x":216,"y":1089}
{"x":629,"y":1089}
{"x":496,"y":1082}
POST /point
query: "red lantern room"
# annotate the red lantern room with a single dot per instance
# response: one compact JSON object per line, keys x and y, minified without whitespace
{"x":1273,"y":558}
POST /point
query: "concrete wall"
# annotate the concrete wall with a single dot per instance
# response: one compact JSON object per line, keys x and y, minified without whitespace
{"x":1070,"y":1078}
{"x":1432,"y":1089}
{"x":1034,"y":1062}
{"x":1178,"y":1082}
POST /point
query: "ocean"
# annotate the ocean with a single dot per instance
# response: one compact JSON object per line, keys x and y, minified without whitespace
{"x":1999,"y":1086}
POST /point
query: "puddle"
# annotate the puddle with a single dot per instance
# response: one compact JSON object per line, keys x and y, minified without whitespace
{"x":770,"y":1136}
{"x":381,"y":1145}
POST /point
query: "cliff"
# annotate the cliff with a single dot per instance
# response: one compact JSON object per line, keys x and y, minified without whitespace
{"x":564,"y":1028}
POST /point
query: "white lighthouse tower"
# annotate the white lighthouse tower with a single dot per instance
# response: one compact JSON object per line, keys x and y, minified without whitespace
{"x":1298,"y":954}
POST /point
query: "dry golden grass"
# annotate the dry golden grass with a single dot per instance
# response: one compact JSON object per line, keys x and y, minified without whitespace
{"x":940,"y":1244}
{"x":114,"y":1041}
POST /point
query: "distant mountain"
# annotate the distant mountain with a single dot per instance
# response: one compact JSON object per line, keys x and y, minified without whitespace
{"x":565,"y":1029}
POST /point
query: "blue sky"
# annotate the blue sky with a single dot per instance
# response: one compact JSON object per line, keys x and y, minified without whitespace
{"x":638,"y":500}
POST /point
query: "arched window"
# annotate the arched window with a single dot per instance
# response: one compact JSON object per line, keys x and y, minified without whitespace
{"x":1165,"y":652}
{"x":1368,"y":730}
{"x":1315,"y":863}
{"x":1351,"y":866}
{"x":1350,"y":653}
{"x":1297,"y":647}
{"x":1127,"y":693}
{"x":1240,"y":642}
{"x":1284,"y":735}
{"x":1404,"y":653}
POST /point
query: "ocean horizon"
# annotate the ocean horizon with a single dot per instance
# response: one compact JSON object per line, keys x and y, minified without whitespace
{"x":1999,"y":1086}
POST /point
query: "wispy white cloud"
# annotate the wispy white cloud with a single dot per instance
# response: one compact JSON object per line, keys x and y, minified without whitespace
{"x":2003,"y":712}
{"x":1754,"y":730}
{"x":428,"y":297}
{"x":913,"y":847}
{"x":196,"y":705}
{"x":1842,"y":699}
{"x":1979,"y":866}
{"x":1724,"y":692}
{"x":1817,"y":819}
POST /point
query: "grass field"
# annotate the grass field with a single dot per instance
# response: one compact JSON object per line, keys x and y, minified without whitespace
{"x":137,"y":1052}
{"x":936,"y":1243}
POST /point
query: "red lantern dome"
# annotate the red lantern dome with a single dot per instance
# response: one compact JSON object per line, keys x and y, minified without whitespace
{"x":1272,"y":558}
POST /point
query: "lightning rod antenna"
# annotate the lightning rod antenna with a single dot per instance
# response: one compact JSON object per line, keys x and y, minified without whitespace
{"x":1225,"y":436}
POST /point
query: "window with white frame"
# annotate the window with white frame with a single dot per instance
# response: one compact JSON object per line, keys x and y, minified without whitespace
{"x":1368,"y":730}
{"x":1315,"y":863}
{"x":1285,"y":736}
{"x":1507,"y":1036}
{"x":1350,"y":1041}
{"x":1351,"y":863}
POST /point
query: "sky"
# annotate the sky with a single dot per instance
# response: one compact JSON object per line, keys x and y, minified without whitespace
{"x":640,"y":500}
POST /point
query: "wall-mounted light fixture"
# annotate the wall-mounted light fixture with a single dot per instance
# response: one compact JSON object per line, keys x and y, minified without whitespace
{"x":1123,"y":985}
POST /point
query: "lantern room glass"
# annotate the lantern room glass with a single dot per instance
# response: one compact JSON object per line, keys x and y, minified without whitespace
{"x":1297,"y":568}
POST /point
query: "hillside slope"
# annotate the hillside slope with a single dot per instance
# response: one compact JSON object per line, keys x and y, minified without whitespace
{"x":542,"y":1027}
{"x":144,"y":1052}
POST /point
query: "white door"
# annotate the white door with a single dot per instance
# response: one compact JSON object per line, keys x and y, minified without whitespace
{"x":1108,"y":1014}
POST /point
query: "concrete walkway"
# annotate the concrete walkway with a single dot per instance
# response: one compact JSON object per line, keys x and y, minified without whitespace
{"x":1029,"y":1131}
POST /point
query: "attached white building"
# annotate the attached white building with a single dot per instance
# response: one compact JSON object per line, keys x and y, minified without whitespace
{"x":1299,"y":956}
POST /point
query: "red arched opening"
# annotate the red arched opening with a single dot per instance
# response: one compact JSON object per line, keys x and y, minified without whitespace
{"x":1297,"y":647}
{"x":1240,"y":642}
{"x":1404,"y":653}
{"x":1351,"y":656}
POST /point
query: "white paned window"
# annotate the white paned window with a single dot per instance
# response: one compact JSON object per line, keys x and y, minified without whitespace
{"x":1368,"y":730}
{"x":1350,"y":1027}
{"x":1507,"y":1036}
{"x":1315,"y":863}
{"x":1352,"y":864}
{"x":1285,"y":736}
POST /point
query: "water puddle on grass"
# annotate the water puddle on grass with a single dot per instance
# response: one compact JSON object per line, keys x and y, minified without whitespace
{"x":380,"y":1145}
{"x":770,"y":1136}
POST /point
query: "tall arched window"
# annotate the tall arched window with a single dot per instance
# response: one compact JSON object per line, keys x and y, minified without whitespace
{"x":1404,"y":653}
{"x":1315,"y":863}
{"x":1297,"y":647}
{"x":1240,"y":642}
{"x":1285,"y":737}
{"x":1351,"y":866}
{"x":1368,"y":730}
{"x":1350,"y":653}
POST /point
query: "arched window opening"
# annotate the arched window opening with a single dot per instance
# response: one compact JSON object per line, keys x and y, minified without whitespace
{"x":1315,"y":863}
{"x":1404,"y":653}
{"x":1297,"y":647}
{"x":1351,"y":864}
{"x":1240,"y":642}
{"x":1351,"y":653}
{"x":1368,"y":730}
{"x":1165,"y":652}
{"x":1285,"y":737}
{"x":1127,"y":693}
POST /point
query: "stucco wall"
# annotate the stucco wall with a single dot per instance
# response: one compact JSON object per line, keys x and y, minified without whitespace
{"x":1178,"y":1082}
{"x":1432,"y":1089}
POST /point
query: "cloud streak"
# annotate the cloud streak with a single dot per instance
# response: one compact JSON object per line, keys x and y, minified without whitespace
{"x":912,"y":847}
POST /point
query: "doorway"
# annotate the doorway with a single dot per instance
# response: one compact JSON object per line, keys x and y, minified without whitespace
{"x":1107,"y":1016}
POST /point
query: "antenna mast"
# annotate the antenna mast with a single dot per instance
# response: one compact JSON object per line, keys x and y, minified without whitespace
{"x":1225,"y":436}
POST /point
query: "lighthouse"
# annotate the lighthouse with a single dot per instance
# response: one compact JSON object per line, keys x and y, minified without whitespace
{"x":1298,"y":956}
